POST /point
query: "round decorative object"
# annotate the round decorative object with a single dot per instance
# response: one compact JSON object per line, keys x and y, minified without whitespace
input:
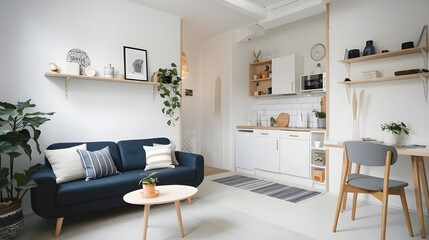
{"x":53,"y":67}
{"x":318,"y":52}
{"x":90,"y":71}
{"x":11,"y":221}
{"x":78,"y":56}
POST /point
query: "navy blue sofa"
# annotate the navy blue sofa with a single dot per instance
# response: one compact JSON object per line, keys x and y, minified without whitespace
{"x":56,"y":201}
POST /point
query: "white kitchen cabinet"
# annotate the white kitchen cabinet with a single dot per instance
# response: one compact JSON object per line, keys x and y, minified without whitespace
{"x":286,"y":73}
{"x":266,"y":150}
{"x":295,"y":153}
{"x":244,"y":159}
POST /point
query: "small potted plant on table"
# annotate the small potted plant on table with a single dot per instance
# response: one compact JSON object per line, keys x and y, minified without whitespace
{"x":149,"y":183}
{"x":393,"y":131}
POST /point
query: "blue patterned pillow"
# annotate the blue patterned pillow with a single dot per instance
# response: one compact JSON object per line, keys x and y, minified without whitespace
{"x":97,"y":164}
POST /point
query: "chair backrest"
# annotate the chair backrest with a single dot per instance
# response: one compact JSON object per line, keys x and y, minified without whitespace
{"x":369,"y":154}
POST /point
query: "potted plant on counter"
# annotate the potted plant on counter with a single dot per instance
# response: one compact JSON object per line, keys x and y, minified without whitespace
{"x":17,"y":129}
{"x":393,"y":131}
{"x":169,"y":90}
{"x":321,"y":118}
{"x":149,"y":183}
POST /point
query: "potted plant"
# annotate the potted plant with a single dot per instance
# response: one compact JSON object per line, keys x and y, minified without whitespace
{"x":393,"y":130}
{"x":321,"y":118}
{"x":169,"y":90}
{"x":148,"y":182}
{"x":17,"y":129}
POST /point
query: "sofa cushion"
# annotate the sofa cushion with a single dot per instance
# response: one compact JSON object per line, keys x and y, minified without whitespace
{"x":97,"y":164}
{"x":132,"y":154}
{"x":66,"y":163}
{"x":158,"y":157}
{"x":92,"y":146}
{"x":118,"y":185}
{"x":173,"y":152}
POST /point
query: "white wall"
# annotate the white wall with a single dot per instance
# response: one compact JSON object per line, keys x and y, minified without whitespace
{"x":35,"y":33}
{"x":389,"y":23}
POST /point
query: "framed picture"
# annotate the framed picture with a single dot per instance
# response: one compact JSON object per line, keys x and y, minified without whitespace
{"x":135,"y":64}
{"x":189,"y":92}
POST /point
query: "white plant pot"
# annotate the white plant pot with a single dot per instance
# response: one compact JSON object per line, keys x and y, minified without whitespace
{"x":391,"y":139}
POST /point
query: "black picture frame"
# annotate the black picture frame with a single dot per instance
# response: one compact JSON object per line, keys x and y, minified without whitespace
{"x":135,"y":64}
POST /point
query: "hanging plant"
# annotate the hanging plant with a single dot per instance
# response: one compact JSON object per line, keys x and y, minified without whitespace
{"x":169,"y":90}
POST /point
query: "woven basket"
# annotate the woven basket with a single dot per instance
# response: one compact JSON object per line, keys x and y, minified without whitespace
{"x":11,"y":220}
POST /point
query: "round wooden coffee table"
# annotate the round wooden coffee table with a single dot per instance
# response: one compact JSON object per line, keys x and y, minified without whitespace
{"x":167,"y":194}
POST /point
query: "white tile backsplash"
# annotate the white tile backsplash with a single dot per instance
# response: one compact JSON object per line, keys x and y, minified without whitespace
{"x":272,"y":107}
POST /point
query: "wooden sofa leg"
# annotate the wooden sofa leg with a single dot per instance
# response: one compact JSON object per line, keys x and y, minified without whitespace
{"x":58,"y":227}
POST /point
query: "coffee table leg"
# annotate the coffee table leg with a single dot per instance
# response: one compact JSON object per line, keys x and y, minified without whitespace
{"x":145,"y":219}
{"x":179,"y":218}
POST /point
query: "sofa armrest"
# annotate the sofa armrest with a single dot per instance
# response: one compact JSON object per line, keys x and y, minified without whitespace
{"x":43,"y":197}
{"x":193,"y":160}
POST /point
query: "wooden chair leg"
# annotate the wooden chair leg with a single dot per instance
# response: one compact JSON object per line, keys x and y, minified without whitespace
{"x":58,"y":227}
{"x":406,"y":212}
{"x":344,"y":204}
{"x":384,"y":216}
{"x":355,"y":195}
{"x":337,"y":211}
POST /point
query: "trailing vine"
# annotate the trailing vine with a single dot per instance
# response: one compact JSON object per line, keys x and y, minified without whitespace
{"x":169,"y":90}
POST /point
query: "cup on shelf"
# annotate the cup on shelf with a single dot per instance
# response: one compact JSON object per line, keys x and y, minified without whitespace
{"x":317,"y":144}
{"x":72,"y":68}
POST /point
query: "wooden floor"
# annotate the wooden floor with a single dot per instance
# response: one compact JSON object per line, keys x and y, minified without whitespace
{"x":212,"y":170}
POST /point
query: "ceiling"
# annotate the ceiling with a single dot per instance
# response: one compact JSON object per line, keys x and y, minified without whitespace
{"x":203,"y":19}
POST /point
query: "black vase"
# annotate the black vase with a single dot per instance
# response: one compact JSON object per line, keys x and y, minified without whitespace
{"x":369,"y":49}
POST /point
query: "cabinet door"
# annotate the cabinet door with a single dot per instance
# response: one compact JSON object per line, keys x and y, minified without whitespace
{"x":295,"y":155}
{"x":243,"y":153}
{"x":285,"y":74}
{"x":266,"y":151}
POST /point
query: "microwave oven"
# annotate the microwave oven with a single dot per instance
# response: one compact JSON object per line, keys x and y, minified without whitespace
{"x":313,"y":82}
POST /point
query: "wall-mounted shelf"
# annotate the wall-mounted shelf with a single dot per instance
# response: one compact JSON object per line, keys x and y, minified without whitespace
{"x":259,"y":85}
{"x":423,"y":49}
{"x":423,"y":76}
{"x":67,"y":77}
{"x":260,"y":80}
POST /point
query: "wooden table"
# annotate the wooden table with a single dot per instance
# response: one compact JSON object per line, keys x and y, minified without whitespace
{"x":167,"y":194}
{"x":420,"y":179}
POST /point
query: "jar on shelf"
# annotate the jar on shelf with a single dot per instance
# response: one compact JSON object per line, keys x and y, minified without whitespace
{"x":109,"y":71}
{"x":369,"y":48}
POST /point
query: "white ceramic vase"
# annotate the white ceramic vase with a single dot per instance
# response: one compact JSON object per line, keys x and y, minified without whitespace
{"x":390,"y":138}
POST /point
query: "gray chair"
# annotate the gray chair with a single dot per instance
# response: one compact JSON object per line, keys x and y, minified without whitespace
{"x":370,"y":154}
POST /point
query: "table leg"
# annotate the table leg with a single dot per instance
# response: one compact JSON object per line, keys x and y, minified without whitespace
{"x":417,"y":190}
{"x":424,"y":180}
{"x":179,"y":218}
{"x":189,"y":200}
{"x":145,"y":219}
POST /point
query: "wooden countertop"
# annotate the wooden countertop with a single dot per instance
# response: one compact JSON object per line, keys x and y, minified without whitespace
{"x":282,"y":128}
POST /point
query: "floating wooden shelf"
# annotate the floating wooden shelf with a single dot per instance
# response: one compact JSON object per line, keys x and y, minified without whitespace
{"x":67,"y":77}
{"x":385,"y":79}
{"x":63,"y":75}
{"x":261,"y":63}
{"x":260,"y":80}
{"x":387,"y":55}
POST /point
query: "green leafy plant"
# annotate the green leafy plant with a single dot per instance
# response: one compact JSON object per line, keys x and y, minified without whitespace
{"x":169,"y":90}
{"x":17,"y":129}
{"x":319,"y":114}
{"x":395,"y":128}
{"x":148,"y":179}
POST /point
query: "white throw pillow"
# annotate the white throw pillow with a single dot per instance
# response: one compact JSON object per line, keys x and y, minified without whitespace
{"x":66,"y":163}
{"x":158,"y":157}
{"x":173,"y":154}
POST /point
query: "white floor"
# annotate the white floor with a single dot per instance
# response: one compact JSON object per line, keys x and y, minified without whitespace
{"x":227,"y":213}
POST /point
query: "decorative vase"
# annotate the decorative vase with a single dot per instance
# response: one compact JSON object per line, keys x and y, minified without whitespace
{"x":321,"y":122}
{"x":149,"y":189}
{"x":11,"y":220}
{"x":390,"y":138}
{"x":369,"y":48}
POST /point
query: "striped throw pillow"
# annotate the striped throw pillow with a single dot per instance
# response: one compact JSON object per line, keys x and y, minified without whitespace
{"x":97,"y":164}
{"x":158,"y":157}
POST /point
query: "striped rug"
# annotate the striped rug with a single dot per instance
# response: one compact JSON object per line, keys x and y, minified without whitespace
{"x":276,"y":190}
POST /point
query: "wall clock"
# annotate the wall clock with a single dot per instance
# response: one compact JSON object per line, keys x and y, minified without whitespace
{"x":318,"y":52}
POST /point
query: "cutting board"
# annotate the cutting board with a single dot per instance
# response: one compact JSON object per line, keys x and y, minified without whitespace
{"x":323,"y":104}
{"x":282,"y":120}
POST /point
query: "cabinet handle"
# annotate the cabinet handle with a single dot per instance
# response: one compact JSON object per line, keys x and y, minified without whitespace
{"x":291,"y":86}
{"x":293,"y":135}
{"x":265,"y":133}
{"x":277,"y":145}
